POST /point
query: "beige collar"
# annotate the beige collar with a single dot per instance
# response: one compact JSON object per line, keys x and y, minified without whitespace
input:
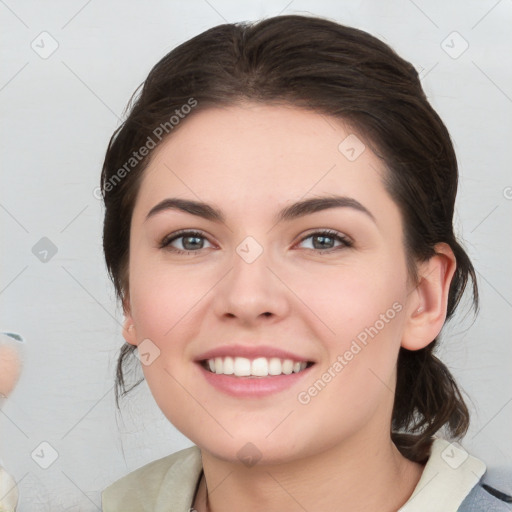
{"x":169,"y":484}
{"x":448,"y":477}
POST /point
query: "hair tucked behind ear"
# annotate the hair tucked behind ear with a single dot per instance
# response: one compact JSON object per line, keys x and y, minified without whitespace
{"x":337,"y":71}
{"x":126,"y":353}
{"x":426,"y":399}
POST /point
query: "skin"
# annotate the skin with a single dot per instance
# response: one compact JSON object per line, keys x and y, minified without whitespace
{"x":250,"y":161}
{"x":10,"y":367}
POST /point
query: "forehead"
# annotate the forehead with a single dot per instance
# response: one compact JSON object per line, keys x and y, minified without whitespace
{"x":251,"y":153}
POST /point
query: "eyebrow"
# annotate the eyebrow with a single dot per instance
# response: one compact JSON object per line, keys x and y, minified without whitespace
{"x":293,"y":211}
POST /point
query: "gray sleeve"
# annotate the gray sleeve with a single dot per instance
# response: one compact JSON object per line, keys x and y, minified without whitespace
{"x":484,"y":498}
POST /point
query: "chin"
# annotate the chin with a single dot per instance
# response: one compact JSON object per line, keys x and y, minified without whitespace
{"x":254,"y":447}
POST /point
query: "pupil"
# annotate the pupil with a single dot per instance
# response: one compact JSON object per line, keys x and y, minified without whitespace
{"x":188,"y":238}
{"x":322,"y":240}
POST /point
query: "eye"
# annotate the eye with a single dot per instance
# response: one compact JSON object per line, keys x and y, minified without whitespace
{"x":190,"y":241}
{"x":325,"y":240}
{"x":194,"y":241}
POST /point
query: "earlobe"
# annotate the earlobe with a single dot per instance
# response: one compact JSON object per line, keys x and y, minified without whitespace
{"x":129,"y":333}
{"x":429,"y":300}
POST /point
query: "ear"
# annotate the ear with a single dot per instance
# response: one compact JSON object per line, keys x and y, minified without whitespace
{"x":427,"y":304}
{"x":129,"y":333}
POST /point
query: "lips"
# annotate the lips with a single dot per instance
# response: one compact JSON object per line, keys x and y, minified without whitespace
{"x":252,"y":371}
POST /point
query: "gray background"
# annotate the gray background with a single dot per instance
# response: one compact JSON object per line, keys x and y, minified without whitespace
{"x":58,"y":113}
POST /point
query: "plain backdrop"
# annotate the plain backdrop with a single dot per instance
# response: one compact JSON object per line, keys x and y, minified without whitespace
{"x":67,"y":71}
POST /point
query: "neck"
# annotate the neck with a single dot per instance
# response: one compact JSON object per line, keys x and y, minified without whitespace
{"x":356,"y":476}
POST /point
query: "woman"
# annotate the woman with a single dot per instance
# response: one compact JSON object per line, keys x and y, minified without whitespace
{"x":278,"y":227}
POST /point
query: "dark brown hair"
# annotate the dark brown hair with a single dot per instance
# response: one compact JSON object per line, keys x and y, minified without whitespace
{"x":338,"y":71}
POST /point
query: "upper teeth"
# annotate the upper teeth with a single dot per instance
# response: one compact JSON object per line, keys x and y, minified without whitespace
{"x":259,"y":367}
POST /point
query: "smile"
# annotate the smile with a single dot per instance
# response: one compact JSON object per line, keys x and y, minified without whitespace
{"x":258,"y":367}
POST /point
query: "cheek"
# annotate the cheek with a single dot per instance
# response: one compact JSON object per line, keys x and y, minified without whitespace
{"x":365,"y":312}
{"x":356,"y":380}
{"x":350,"y":300}
{"x":162,"y":297}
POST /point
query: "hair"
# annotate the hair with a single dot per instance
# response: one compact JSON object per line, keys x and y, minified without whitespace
{"x":334,"y":70}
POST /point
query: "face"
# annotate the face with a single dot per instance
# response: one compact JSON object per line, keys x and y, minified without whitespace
{"x":252,"y":285}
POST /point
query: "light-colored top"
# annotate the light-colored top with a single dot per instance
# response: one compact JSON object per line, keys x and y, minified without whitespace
{"x":169,"y":484}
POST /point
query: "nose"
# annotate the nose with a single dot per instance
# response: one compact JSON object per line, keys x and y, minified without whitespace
{"x":251,"y":292}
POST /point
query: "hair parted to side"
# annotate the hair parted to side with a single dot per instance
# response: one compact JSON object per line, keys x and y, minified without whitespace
{"x":320,"y":65}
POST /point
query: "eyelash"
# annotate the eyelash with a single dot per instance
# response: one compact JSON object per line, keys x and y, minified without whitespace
{"x":345,"y":241}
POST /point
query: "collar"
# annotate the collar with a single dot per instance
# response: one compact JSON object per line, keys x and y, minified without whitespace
{"x":170,"y":483}
{"x":448,"y":477}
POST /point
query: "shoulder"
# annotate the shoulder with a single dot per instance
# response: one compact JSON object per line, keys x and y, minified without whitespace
{"x":486,"y":498}
{"x":454,"y":480}
{"x":164,"y":483}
